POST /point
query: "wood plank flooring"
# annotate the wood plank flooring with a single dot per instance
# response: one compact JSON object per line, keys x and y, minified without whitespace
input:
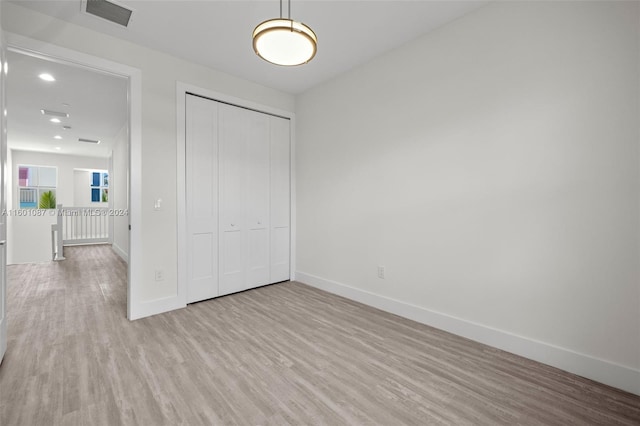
{"x":282,"y":354}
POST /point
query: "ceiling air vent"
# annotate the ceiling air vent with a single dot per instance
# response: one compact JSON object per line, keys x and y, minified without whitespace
{"x":109,"y":10}
{"x":54,"y":113}
{"x":88,"y":140}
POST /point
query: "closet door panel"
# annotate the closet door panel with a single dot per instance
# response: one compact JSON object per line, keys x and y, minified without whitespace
{"x":280,"y":254}
{"x":280,"y":196}
{"x":258,"y":258}
{"x":232,"y":264}
{"x":257,"y":203}
{"x":233,"y":157}
{"x":202,"y":198}
{"x":203,"y":252}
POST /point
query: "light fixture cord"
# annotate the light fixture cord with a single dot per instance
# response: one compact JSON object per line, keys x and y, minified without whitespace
{"x":288,"y":7}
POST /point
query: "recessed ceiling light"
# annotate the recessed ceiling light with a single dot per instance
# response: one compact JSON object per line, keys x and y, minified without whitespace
{"x":57,"y":137}
{"x":46,"y":77}
{"x":55,"y":120}
{"x":58,"y":148}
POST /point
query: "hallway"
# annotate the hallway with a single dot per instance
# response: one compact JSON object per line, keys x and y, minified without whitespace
{"x":59,"y":316}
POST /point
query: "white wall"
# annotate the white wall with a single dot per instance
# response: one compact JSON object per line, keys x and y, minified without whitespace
{"x":492,"y":168}
{"x":66,"y":164}
{"x":82,"y":181}
{"x":119,"y":194}
{"x":29,"y":237}
{"x":159,"y":75}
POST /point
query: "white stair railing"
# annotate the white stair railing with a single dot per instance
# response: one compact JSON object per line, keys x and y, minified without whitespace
{"x":78,"y":225}
{"x":83,"y":225}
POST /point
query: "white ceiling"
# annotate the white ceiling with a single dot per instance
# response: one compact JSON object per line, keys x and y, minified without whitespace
{"x":96,"y":104}
{"x":214,"y":33}
{"x":217,"y":33}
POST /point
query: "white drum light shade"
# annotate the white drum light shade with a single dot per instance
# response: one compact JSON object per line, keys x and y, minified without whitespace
{"x":284,"y":42}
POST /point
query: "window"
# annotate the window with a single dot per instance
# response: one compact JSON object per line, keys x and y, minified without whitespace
{"x":37,"y":187}
{"x":100,"y":187}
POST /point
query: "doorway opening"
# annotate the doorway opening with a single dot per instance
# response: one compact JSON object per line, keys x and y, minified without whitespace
{"x":68,"y":161}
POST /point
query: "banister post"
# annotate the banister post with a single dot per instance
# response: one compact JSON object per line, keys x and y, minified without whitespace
{"x":60,"y":232}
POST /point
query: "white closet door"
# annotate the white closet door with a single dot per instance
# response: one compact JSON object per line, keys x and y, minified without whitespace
{"x":257,"y":202}
{"x":280,"y":189}
{"x":233,"y":155}
{"x":238,"y":198}
{"x":202,"y":198}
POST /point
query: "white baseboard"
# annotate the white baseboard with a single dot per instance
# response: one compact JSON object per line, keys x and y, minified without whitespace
{"x":157,"y":306}
{"x":123,"y":254}
{"x":618,"y":376}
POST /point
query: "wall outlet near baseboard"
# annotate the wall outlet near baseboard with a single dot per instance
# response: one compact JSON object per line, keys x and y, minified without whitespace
{"x":381,"y":272}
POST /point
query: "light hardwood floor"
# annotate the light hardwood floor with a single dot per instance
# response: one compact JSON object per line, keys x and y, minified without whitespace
{"x":282,"y":354}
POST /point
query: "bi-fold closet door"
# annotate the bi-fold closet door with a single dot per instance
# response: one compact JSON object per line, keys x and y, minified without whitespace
{"x":238,"y":198}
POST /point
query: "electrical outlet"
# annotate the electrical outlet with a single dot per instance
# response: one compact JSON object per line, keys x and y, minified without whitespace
{"x":381,"y":272}
{"x":159,"y":275}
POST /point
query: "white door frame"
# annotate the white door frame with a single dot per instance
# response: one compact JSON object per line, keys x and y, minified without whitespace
{"x":3,"y":199}
{"x":56,"y":53}
{"x":181,"y":91}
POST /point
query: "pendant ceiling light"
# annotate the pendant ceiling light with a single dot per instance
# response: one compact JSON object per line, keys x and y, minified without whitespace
{"x":283,"y":41}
